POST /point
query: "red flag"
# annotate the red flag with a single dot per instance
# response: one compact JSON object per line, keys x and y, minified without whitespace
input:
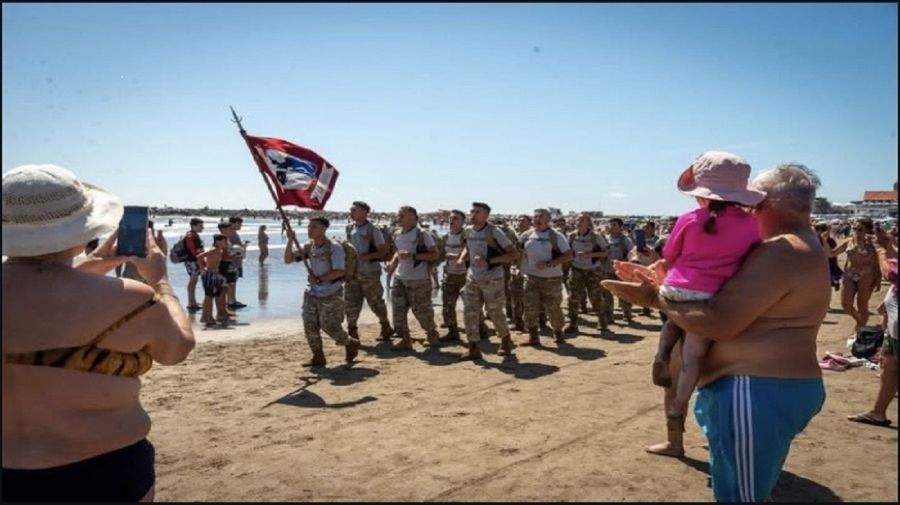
{"x":298,"y":175}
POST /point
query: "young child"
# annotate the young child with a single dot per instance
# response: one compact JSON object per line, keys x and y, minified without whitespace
{"x":213,"y":281}
{"x":705,"y":248}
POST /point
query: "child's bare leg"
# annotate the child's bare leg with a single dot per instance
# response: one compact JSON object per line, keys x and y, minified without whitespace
{"x":221,"y":310}
{"x":207,"y":310}
{"x":668,"y":336}
{"x":674,"y":444}
{"x":694,"y":349}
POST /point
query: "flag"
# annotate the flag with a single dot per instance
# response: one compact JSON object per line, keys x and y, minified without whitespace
{"x":297,"y":174}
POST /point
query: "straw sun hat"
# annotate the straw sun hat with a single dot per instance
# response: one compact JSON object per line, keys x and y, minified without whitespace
{"x":46,"y":209}
{"x":717,"y":175}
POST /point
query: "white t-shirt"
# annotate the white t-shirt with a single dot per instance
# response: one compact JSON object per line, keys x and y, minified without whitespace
{"x":359,"y":236}
{"x":453,"y":244}
{"x":407,"y":270}
{"x":586,"y":243}
{"x":478,"y":246}
{"x":321,"y":264}
{"x":538,"y":249}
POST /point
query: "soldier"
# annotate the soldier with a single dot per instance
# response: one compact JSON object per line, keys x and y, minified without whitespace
{"x":323,"y":301}
{"x":589,"y":249}
{"x":517,"y":278}
{"x":545,"y":250}
{"x":620,"y":247}
{"x":371,"y":247}
{"x":454,"y":277}
{"x":487,"y":247}
{"x":412,"y":284}
{"x":507,"y":267}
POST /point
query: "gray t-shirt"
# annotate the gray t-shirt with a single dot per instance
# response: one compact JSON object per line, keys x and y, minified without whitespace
{"x":235,"y":247}
{"x":539,"y":249}
{"x":453,"y":244}
{"x":586,"y":243}
{"x":619,"y":247}
{"x":359,"y":236}
{"x":406,"y":269}
{"x":478,"y":246}
{"x":321,"y":264}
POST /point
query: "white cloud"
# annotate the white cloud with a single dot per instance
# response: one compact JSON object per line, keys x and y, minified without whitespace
{"x":616,"y":195}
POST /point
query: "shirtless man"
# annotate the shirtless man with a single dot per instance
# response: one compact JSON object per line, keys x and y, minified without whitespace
{"x":760,"y":383}
{"x":214,"y":283}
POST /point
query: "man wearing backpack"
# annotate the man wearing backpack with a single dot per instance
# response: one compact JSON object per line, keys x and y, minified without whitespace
{"x":487,"y":247}
{"x":517,"y":278}
{"x":589,"y":248}
{"x":193,"y":245}
{"x":545,"y":250}
{"x":411,"y":289}
{"x":323,"y":301}
{"x":454,"y":278}
{"x":620,"y":247}
{"x":366,"y":284}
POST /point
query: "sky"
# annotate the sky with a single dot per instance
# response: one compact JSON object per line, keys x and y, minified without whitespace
{"x":574,"y":106}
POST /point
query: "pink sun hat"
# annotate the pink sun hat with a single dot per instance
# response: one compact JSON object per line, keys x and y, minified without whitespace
{"x":717,"y":175}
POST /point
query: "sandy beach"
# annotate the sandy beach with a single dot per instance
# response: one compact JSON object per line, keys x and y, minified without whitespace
{"x":240,"y":420}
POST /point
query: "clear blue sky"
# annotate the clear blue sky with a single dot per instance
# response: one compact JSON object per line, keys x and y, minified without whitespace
{"x":582,"y":107}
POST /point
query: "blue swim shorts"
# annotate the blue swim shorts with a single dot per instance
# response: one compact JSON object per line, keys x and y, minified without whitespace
{"x":750,"y":423}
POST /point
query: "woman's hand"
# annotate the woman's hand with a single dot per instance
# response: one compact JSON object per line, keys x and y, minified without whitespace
{"x":103,"y":259}
{"x":152,"y":267}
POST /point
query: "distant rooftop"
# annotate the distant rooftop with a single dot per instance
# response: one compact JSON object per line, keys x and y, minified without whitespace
{"x":880,"y":196}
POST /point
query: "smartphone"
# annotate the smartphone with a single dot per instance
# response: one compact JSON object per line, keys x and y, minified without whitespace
{"x":640,"y":240}
{"x":132,"y":238}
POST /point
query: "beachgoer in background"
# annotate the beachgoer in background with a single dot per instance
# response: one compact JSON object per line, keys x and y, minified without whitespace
{"x":371,"y":249}
{"x":193,"y":244}
{"x":78,"y":434}
{"x":887,"y":259}
{"x":454,"y":277}
{"x":544,"y":251}
{"x":226,"y":265}
{"x":238,"y":252}
{"x":214,"y":283}
{"x":589,"y":248}
{"x":862,"y":276}
{"x":262,"y":238}
{"x":411,"y":289}
{"x":829,"y":244}
{"x":761,"y":383}
{"x":486,"y":248}
{"x":705,"y":249}
{"x":323,"y":300}
{"x":161,"y":242}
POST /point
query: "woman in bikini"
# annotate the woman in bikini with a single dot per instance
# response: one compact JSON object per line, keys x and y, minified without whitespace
{"x":75,"y":343}
{"x":862,"y":275}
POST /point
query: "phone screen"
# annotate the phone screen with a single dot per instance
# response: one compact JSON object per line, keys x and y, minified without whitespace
{"x":640,"y":239}
{"x":132,"y":237}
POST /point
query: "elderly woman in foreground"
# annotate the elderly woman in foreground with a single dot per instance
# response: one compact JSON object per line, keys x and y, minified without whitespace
{"x":760,"y":382}
{"x":75,"y":342}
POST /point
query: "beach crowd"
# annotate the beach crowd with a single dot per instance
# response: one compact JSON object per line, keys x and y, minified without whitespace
{"x":741,"y":284}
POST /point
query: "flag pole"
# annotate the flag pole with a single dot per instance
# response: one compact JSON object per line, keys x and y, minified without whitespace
{"x":285,"y":220}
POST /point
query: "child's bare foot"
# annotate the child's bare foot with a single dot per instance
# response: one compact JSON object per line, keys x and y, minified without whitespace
{"x":661,"y":373}
{"x":665,"y":449}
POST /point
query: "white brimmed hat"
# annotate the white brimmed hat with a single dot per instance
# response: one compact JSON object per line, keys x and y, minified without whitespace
{"x":717,"y":175}
{"x":46,"y":209}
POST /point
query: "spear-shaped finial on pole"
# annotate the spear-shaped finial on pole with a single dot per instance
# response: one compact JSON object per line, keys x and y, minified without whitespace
{"x":237,"y":120}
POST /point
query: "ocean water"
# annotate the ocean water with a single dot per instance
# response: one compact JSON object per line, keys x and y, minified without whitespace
{"x":273,"y":291}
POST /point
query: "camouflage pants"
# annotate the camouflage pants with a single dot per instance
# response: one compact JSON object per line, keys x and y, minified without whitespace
{"x":364,"y":287}
{"x":451,"y":287}
{"x":516,"y":291}
{"x":609,"y":301}
{"x":490,"y":295}
{"x":507,"y":279}
{"x":581,"y":283}
{"x":323,"y":313}
{"x":415,"y":295}
{"x":543,"y":294}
